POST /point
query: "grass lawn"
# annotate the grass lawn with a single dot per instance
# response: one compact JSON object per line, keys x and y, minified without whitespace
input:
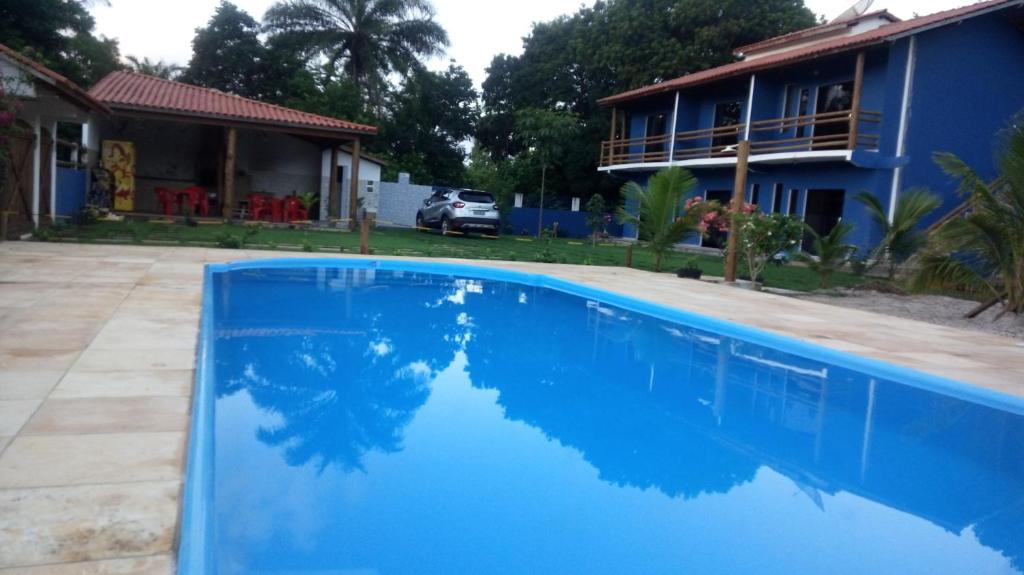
{"x":410,"y":243}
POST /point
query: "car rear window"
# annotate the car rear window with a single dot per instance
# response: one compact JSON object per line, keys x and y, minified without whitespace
{"x":476,"y":197}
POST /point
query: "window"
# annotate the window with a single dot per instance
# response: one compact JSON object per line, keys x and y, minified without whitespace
{"x":656,"y":126}
{"x":727,"y":114}
{"x":794,"y":195}
{"x":801,"y":110}
{"x":575,"y":204}
{"x":832,"y":98}
{"x":476,"y":197}
{"x":755,"y":193}
{"x":786,"y":94}
{"x":518,"y":202}
{"x":777,"y":198}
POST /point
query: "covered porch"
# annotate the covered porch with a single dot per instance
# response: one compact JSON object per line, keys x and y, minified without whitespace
{"x":183,"y":151}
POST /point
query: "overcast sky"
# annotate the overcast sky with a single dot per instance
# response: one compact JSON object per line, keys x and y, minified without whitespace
{"x":478,"y":29}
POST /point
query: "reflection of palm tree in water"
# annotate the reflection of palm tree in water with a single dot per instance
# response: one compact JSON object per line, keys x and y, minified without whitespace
{"x":340,"y":391}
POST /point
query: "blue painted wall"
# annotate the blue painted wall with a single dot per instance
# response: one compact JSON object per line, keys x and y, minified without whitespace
{"x":570,"y":224}
{"x":968,"y":83}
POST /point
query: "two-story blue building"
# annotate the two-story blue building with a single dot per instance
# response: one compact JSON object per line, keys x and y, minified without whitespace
{"x":858,"y":104}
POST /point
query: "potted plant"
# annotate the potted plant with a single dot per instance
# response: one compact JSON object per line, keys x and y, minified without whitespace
{"x":691,"y":269}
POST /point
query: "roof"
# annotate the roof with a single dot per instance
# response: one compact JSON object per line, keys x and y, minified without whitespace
{"x":870,"y":38}
{"x":61,"y":84}
{"x":813,"y":31}
{"x":134,"y":92}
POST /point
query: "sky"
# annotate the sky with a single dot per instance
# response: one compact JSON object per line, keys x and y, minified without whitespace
{"x":478,"y":29}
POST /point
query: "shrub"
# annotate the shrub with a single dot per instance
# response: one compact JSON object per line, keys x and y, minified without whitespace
{"x":831,"y":252}
{"x":762,"y":236}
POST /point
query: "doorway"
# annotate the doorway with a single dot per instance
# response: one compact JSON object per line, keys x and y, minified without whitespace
{"x":715,"y":238}
{"x":823,"y":210}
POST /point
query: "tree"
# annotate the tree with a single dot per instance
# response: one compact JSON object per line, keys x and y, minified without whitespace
{"x":658,"y":210}
{"x":432,"y":114}
{"x":901,"y":237}
{"x":159,"y":68}
{"x":572,"y":61}
{"x":370,"y":39}
{"x":227,"y":54}
{"x":596,"y":216}
{"x":545,"y":131}
{"x":59,"y":34}
{"x":832,"y":252}
{"x":984,"y":250}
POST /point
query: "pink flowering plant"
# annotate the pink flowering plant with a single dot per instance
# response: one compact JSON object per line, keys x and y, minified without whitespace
{"x":762,"y":236}
{"x":9,"y":107}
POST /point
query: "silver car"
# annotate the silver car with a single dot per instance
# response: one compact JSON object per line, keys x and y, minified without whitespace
{"x":453,"y":209}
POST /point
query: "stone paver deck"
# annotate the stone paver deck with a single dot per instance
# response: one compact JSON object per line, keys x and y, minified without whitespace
{"x":97,"y":351}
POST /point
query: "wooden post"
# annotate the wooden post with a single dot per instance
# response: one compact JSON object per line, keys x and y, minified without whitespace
{"x":364,"y":236}
{"x":738,"y":197}
{"x":629,"y":255}
{"x":229,"y":175}
{"x":333,"y":201}
{"x":353,"y":186}
{"x":611,"y":139}
{"x":858,"y":80}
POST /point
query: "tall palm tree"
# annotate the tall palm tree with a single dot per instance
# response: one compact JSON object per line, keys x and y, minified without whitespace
{"x":159,"y":68}
{"x":369,"y":38}
{"x":984,"y":250}
{"x":659,"y":216}
{"x":901,"y":237}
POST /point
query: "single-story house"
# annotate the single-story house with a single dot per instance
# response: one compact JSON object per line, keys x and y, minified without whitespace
{"x":36,"y":186}
{"x":370,"y":168}
{"x":171,"y":135}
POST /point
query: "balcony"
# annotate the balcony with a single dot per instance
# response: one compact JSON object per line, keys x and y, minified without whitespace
{"x":794,"y":137}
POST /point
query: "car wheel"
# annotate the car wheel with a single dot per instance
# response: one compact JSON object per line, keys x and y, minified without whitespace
{"x":445,"y":226}
{"x":420,"y":224}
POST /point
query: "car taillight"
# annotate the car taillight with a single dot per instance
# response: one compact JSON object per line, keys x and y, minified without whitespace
{"x":495,"y":207}
{"x":458,"y":205}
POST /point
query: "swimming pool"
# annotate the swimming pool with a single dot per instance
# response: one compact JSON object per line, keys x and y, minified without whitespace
{"x":409,"y":417}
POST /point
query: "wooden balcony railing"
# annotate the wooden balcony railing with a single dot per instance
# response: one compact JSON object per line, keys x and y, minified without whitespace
{"x":843,"y":130}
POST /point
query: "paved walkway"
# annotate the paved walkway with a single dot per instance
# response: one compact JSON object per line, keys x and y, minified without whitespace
{"x":96,"y":360}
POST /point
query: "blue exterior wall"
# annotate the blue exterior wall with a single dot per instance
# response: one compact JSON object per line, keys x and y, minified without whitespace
{"x":968,"y":83}
{"x":570,"y":224}
{"x":71,"y":190}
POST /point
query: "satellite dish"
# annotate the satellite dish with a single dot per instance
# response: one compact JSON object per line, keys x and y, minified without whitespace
{"x":858,"y":9}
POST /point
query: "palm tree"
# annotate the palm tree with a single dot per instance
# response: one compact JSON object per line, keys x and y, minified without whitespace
{"x":901,"y":237}
{"x":159,"y":68}
{"x":832,"y":252}
{"x":658,"y":208}
{"x":369,"y":38}
{"x":984,"y":250}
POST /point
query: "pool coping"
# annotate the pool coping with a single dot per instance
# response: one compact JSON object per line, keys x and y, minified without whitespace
{"x":194,"y":555}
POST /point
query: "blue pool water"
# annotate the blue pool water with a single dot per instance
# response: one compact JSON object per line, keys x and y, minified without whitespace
{"x":377,"y":420}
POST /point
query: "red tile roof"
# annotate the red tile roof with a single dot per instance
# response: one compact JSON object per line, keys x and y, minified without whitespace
{"x":813,"y":31}
{"x":131,"y":91}
{"x":66,"y":87}
{"x":846,"y":43}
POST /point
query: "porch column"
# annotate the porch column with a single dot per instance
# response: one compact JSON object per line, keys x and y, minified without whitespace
{"x":229,"y":175}
{"x":37,"y":164}
{"x":611,"y":141}
{"x":53,"y":173}
{"x":672,"y":134}
{"x":738,"y":197}
{"x":353,"y":186}
{"x":858,"y":80}
{"x":333,"y":201}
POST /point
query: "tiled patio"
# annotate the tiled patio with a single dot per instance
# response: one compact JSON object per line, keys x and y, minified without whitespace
{"x":96,"y":357}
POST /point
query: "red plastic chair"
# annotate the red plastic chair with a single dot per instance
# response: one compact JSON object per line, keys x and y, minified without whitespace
{"x":168,"y":200}
{"x":197,"y":200}
{"x":293,"y":210}
{"x":276,"y":210}
{"x":258,"y":206}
